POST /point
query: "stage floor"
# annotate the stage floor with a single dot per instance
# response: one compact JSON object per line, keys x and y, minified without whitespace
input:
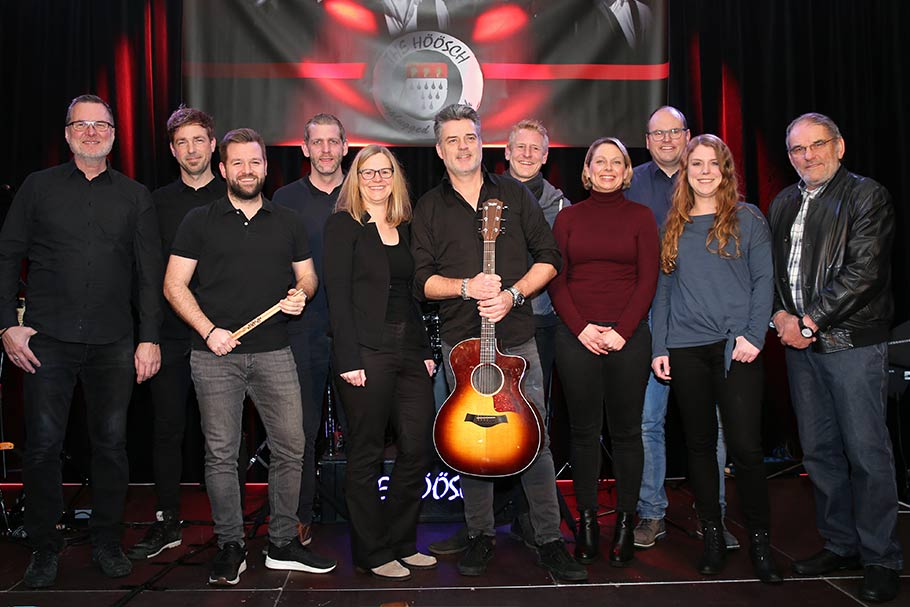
{"x":663,"y":575}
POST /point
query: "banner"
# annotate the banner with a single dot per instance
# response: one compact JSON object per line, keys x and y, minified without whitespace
{"x":586,"y":68}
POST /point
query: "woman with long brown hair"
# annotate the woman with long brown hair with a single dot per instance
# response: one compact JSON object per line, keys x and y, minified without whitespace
{"x":709,"y":320}
{"x":383,"y":356}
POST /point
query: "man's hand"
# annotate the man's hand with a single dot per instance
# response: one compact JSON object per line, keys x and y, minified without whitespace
{"x":591,"y":337}
{"x":744,"y":351}
{"x":495,"y":308}
{"x":147,"y":360}
{"x":661,"y":367}
{"x":484,"y":286}
{"x":220,"y":342}
{"x":15,"y":342}
{"x":294,"y":303}
{"x":357,"y":377}
{"x":430,"y":364}
{"x":788,"y":330}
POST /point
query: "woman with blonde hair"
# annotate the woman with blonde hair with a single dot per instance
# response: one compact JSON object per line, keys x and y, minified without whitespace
{"x":381,"y":351}
{"x":709,"y":320}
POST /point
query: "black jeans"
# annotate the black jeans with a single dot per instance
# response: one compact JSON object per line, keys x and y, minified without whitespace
{"x":107,"y":374}
{"x":699,"y":382}
{"x":595,"y":386}
{"x":170,"y":389}
{"x":399,"y":392}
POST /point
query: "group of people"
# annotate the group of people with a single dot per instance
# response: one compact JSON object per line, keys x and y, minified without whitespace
{"x":661,"y":277}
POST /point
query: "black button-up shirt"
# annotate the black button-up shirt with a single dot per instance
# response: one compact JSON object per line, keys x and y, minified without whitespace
{"x":172,"y":203}
{"x":89,"y":245}
{"x":243,"y":267}
{"x":445,"y":240}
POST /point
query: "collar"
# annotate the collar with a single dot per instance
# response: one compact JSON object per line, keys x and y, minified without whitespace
{"x":72,"y":170}
{"x":215,"y":182}
{"x":813,"y":194}
{"x":224,"y":206}
{"x":317,"y":192}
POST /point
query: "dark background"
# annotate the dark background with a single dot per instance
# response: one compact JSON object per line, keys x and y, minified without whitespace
{"x":739,"y":69}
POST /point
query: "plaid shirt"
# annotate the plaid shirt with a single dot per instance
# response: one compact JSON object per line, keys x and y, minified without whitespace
{"x":796,"y":246}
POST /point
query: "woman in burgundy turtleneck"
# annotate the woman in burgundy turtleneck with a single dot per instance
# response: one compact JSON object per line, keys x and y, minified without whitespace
{"x":602,"y":295}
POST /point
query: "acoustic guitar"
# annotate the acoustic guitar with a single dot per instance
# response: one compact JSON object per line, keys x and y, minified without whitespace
{"x":487,"y":427}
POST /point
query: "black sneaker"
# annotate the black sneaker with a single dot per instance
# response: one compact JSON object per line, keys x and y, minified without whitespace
{"x":42,"y":569}
{"x":163,"y":534}
{"x":554,"y":557}
{"x":110,"y":558}
{"x":295,"y":557}
{"x":228,"y":564}
{"x":479,"y":553}
{"x":451,"y":545}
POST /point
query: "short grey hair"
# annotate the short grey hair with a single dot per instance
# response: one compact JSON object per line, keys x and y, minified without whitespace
{"x":456,"y":111}
{"x":814,"y":118}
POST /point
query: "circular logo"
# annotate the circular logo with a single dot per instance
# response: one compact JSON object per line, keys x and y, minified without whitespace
{"x":420,"y":73}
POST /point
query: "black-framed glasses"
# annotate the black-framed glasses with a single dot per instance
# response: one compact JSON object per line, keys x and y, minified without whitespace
{"x":102,"y":126}
{"x":800,"y":150}
{"x":370,"y":174}
{"x":659,"y":134}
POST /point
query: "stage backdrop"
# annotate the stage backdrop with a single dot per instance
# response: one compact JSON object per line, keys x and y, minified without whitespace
{"x":385,"y":67}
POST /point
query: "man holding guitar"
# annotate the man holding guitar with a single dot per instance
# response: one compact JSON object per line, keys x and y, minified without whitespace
{"x":453,"y":265}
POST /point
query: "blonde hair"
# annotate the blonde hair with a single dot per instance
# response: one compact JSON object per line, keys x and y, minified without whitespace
{"x":627,"y":174}
{"x":726,"y":223}
{"x":350,"y":199}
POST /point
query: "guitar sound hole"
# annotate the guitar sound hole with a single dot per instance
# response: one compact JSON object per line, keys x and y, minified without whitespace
{"x":487,"y":379}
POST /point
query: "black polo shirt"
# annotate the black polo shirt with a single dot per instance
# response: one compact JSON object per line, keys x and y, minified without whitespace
{"x":243,"y":267}
{"x":172,"y":203}
{"x":90,"y":245}
{"x":445,"y":240}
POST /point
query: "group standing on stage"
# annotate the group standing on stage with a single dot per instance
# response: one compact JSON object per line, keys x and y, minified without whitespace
{"x":663,"y":277}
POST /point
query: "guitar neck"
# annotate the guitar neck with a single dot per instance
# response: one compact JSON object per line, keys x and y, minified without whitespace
{"x":487,"y":328}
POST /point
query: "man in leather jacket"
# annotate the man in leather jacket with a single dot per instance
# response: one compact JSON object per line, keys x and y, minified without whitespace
{"x":832,"y":235}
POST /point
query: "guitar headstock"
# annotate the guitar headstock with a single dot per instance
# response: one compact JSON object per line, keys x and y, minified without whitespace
{"x":491,"y":219}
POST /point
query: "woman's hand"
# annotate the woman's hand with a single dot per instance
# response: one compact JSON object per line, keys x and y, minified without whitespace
{"x":590,"y":338}
{"x":357,"y":377}
{"x":661,"y":367}
{"x":743,"y":351}
{"x":612,"y":340}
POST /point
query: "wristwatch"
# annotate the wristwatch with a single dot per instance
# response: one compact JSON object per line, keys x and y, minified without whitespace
{"x":517,"y":297}
{"x":804,"y":330}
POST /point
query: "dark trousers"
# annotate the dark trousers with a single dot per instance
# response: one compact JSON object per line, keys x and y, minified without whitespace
{"x":312,"y":353}
{"x":107,"y":375}
{"x":699,"y":383}
{"x":170,"y":389}
{"x":399,"y":392}
{"x":611,"y":385}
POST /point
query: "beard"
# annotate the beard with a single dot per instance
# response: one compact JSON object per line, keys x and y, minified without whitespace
{"x":236,"y":189}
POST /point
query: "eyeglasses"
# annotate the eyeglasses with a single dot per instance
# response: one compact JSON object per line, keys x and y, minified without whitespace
{"x":659,"y":134}
{"x":800,"y":150}
{"x":102,"y":126}
{"x":369,"y":174}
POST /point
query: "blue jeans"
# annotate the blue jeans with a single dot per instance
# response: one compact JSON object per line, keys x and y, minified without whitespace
{"x":270,"y":379}
{"x":538,"y":481}
{"x":840,"y":400}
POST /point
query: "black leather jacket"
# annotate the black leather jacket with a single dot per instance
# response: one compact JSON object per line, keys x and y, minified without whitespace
{"x":846,"y":260}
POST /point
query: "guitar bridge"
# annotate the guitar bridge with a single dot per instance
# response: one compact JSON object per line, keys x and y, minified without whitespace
{"x":486,"y":421}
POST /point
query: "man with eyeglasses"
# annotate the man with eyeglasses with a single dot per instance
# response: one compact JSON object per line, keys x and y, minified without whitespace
{"x":313,"y":197}
{"x":90,"y":237}
{"x":832,"y":235}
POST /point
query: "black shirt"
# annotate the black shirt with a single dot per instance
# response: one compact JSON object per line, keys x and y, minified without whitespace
{"x":401,"y":273}
{"x":172,"y":203}
{"x":90,"y":245}
{"x":243,"y":267}
{"x":445,"y":240}
{"x":314,"y":206}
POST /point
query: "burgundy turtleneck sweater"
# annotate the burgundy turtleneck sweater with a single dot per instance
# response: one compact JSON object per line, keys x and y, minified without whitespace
{"x":610,"y":254}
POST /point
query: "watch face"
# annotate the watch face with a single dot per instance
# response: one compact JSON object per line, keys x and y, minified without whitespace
{"x":806,"y":332}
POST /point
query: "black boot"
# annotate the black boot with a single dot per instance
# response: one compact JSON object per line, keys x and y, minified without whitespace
{"x":623,"y":548}
{"x":763,"y":564}
{"x":587,"y":542}
{"x":712,"y":560}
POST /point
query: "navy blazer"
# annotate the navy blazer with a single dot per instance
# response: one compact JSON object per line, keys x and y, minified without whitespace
{"x":357,"y":279}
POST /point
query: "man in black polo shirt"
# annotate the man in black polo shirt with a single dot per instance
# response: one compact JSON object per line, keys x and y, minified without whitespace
{"x":246,"y":254}
{"x":448,"y":255}
{"x":88,"y":233}
{"x":192,"y":140}
{"x":313,"y":197}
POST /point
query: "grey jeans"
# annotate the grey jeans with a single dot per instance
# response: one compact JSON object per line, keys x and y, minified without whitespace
{"x":270,"y":379}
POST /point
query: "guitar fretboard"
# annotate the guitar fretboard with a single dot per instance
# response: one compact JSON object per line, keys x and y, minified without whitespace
{"x":487,"y":328}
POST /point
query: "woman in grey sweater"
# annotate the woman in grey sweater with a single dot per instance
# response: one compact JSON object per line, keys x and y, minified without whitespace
{"x":709,"y":320}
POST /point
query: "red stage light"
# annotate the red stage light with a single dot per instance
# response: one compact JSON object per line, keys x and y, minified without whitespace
{"x":352,"y":15}
{"x":499,"y":23}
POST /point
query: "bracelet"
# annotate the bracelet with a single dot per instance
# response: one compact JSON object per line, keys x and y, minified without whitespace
{"x":464,"y":289}
{"x":209,"y":334}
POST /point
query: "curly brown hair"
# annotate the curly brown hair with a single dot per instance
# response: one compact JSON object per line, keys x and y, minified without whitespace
{"x":726,"y":224}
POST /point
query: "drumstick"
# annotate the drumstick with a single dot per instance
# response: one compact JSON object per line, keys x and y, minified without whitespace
{"x":262,"y":317}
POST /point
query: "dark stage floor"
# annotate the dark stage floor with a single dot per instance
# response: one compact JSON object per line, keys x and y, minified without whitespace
{"x":663,"y":575}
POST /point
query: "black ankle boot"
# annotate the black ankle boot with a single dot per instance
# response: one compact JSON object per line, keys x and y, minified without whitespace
{"x":763,"y":564}
{"x":587,"y":541}
{"x":623,"y":548}
{"x":715,"y":554}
